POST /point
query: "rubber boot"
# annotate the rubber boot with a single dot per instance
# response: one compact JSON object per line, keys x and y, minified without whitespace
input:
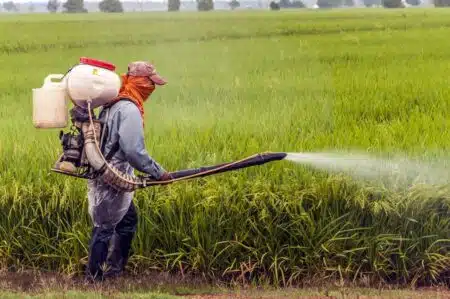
{"x":121,"y":243}
{"x":98,"y":252}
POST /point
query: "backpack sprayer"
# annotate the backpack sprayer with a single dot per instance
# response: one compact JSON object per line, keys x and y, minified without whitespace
{"x":88,"y":85}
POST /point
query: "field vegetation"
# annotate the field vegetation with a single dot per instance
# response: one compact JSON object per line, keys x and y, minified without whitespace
{"x":242,"y":83}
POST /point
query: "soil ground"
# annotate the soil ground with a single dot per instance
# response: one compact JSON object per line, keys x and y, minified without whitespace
{"x":164,"y":286}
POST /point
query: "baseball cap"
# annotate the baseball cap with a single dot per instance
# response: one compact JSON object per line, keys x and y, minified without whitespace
{"x":145,"y":69}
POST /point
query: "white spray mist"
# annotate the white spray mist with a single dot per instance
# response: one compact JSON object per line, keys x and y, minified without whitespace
{"x":398,"y":172}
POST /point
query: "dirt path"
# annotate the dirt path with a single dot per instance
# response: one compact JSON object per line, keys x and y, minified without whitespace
{"x":192,"y":288}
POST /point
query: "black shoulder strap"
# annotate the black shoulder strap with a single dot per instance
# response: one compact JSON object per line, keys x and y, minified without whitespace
{"x":105,"y":130}
{"x":116,"y":146}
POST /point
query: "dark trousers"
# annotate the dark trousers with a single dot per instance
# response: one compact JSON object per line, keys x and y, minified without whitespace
{"x":109,"y":249}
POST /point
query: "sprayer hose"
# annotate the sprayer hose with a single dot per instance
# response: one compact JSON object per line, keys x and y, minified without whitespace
{"x":113,"y":170}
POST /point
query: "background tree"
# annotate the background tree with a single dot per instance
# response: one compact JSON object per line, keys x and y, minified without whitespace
{"x":53,"y":5}
{"x":74,"y":6}
{"x":274,"y":6}
{"x":234,"y":4}
{"x":110,"y":6}
{"x":393,"y":4}
{"x":31,"y":7}
{"x":369,"y":3}
{"x":174,"y":5}
{"x":442,"y":3}
{"x":289,"y":4}
{"x":10,"y":6}
{"x":329,"y":3}
{"x":413,"y":2}
{"x":205,"y":5}
{"x":349,"y":3}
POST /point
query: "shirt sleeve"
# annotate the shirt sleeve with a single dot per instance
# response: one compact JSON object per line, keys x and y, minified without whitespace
{"x":131,"y":141}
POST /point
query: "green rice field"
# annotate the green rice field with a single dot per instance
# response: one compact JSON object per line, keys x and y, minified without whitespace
{"x":240,"y":83}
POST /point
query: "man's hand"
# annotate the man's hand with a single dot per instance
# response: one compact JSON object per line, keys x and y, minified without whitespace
{"x":165,"y":177}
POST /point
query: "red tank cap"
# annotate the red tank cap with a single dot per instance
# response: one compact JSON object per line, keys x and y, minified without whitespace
{"x":98,"y":63}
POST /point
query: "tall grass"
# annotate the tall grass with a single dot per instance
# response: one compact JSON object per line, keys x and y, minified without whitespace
{"x":242,"y":83}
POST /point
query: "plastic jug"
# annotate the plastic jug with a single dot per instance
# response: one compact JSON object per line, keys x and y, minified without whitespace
{"x":50,"y":104}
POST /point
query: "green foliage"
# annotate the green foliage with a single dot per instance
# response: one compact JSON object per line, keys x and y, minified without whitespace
{"x":173,"y":5}
{"x":393,"y":4}
{"x":442,"y":3}
{"x":329,"y":3}
{"x":349,"y":3}
{"x":413,"y":2}
{"x":205,"y":5}
{"x":74,"y":6}
{"x":234,"y":4}
{"x":10,"y":6}
{"x":110,"y":6}
{"x":53,"y":5}
{"x":291,"y":4}
{"x":370,"y":3}
{"x":242,"y":84}
{"x":297,"y":4}
{"x":274,"y":5}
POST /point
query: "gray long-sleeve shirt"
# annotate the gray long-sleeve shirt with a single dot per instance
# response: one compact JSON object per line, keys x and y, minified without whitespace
{"x":125,"y":126}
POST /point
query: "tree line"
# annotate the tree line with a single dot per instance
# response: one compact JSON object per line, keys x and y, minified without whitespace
{"x":276,"y":5}
{"x":205,"y":5}
{"x":115,"y":6}
{"x":110,"y":6}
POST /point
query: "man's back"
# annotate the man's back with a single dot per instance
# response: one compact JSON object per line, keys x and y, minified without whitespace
{"x":125,"y":138}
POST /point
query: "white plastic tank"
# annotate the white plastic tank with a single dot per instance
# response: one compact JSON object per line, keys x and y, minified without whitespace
{"x":93,"y":80}
{"x":50,"y":104}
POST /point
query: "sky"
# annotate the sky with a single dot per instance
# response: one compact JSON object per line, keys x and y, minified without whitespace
{"x":45,"y":1}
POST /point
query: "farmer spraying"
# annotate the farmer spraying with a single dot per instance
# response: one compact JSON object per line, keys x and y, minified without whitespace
{"x":112,"y":211}
{"x":105,"y":150}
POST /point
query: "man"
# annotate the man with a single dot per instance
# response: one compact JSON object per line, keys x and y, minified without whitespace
{"x":113,"y":212}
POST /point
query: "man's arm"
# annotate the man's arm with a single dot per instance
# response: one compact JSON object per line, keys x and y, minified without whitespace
{"x":131,"y":141}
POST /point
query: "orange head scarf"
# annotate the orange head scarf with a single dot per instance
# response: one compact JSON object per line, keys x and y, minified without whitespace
{"x":139,"y":83}
{"x":136,"y":89}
